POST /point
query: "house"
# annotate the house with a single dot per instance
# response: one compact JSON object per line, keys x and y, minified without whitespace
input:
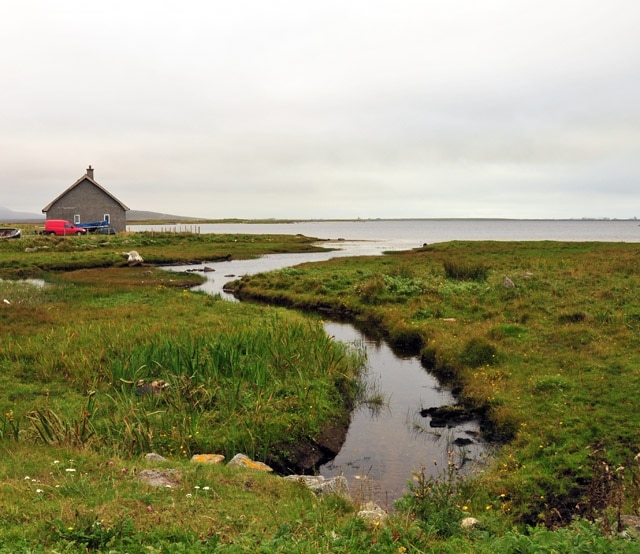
{"x":86,"y":202}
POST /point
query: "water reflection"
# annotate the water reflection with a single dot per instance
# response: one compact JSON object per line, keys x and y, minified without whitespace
{"x":383,"y":449}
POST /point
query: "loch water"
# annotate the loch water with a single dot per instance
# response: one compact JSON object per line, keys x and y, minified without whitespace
{"x":411,"y":233}
{"x":385,"y":447}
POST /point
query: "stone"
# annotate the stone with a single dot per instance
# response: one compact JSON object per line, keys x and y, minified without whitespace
{"x":208,"y":269}
{"x":169,"y":478}
{"x":241,"y":460}
{"x":207,"y":459}
{"x":469,"y":523}
{"x":508,"y":283}
{"x":153,"y":457}
{"x":373,"y":513}
{"x":321,"y":485}
{"x":631,"y":525}
{"x":155,"y":387}
{"x":133,"y":258}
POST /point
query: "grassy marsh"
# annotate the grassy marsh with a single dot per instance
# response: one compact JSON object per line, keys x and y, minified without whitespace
{"x":550,"y":361}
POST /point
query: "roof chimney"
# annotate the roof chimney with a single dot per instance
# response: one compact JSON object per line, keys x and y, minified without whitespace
{"x":90,"y":172}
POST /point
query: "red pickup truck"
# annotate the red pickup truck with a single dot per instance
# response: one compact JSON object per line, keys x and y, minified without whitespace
{"x":62,"y":227}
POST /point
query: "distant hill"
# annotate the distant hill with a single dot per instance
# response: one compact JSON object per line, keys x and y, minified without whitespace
{"x":9,"y":216}
{"x":141,"y":215}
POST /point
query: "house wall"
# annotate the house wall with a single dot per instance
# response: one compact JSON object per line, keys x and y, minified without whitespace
{"x":91,"y":204}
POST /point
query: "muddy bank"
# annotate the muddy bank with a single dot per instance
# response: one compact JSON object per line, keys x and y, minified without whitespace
{"x":306,"y":455}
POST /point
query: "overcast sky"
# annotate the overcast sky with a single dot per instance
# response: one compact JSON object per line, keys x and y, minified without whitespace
{"x":322,"y":109}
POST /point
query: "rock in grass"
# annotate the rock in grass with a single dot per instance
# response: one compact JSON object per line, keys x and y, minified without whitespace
{"x":207,"y":458}
{"x":372,"y":513}
{"x":133,"y":258}
{"x":240,"y":460}
{"x":155,"y":387}
{"x":469,"y":523}
{"x":169,"y":478}
{"x":631,"y":524}
{"x":321,"y":485}
{"x":153,"y":457}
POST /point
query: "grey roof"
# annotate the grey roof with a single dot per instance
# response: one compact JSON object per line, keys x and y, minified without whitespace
{"x":93,"y":182}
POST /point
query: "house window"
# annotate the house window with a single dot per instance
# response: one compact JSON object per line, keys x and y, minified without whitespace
{"x":107,"y":218}
{"x":76,"y":219}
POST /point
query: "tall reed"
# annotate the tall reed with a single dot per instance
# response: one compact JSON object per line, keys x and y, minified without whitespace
{"x":246,"y":387}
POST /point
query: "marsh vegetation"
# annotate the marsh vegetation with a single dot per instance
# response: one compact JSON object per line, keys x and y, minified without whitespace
{"x":549,"y":356}
{"x":551,"y":363}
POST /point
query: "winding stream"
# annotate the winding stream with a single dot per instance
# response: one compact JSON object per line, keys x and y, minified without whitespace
{"x":384,"y":447}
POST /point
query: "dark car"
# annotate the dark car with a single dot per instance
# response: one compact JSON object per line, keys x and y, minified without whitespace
{"x":105,"y":231}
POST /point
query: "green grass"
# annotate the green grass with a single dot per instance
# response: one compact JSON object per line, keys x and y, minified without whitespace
{"x":551,"y":363}
{"x":268,"y":378}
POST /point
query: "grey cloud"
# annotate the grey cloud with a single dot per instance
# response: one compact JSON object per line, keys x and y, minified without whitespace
{"x":325,"y":109}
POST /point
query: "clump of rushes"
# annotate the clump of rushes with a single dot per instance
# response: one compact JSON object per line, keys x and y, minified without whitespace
{"x":465,"y":271}
{"x":259,"y":384}
{"x":439,"y":503}
{"x":478,"y":352}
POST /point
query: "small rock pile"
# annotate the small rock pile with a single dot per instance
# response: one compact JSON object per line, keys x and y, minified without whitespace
{"x":171,"y":478}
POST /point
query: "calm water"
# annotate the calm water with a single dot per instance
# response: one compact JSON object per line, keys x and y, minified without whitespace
{"x":384,"y":448}
{"x":411,"y":233}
